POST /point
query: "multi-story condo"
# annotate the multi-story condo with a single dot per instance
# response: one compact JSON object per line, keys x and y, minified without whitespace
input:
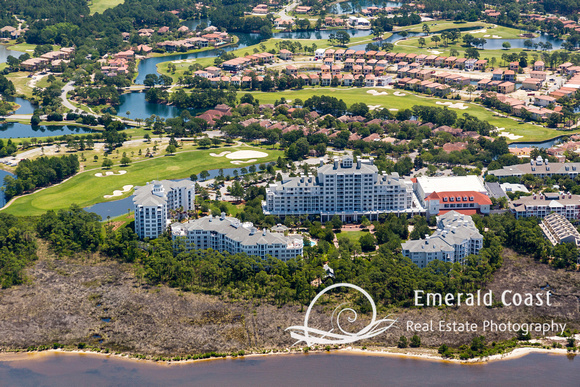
{"x":558,"y":229}
{"x":541,"y":205}
{"x":539,"y":168}
{"x":153,"y":203}
{"x":342,"y":188}
{"x":456,"y":238}
{"x":229,"y":234}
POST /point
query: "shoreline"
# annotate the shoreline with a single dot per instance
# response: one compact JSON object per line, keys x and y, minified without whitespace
{"x":386,"y":352}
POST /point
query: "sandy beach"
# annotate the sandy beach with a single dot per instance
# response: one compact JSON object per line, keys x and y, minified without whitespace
{"x":418,"y":354}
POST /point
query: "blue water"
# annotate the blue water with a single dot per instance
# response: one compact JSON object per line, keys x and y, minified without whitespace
{"x":544,"y":144}
{"x":496,"y":44}
{"x":136,"y":104}
{"x":26,"y":107}
{"x":3,"y":174}
{"x":5,"y":53}
{"x":18,"y":130}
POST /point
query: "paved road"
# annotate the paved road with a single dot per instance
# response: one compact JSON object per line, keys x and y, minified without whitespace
{"x":65,"y":102}
{"x":284,"y":12}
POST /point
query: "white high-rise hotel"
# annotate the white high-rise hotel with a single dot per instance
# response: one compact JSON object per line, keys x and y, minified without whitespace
{"x":153,"y":201}
{"x":342,"y":188}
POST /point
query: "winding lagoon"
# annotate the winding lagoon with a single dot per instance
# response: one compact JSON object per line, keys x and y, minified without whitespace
{"x":334,"y":369}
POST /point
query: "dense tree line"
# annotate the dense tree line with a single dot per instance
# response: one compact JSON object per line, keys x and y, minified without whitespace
{"x":17,"y":249}
{"x":43,"y":171}
{"x":7,"y":148}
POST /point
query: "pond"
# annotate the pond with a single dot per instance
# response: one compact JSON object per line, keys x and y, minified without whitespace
{"x":136,"y":104}
{"x":192,"y":24}
{"x":544,"y":144}
{"x":354,"y":6}
{"x":18,"y":130}
{"x":496,"y":44}
{"x":6,"y":52}
{"x":3,"y":174}
{"x":26,"y":107}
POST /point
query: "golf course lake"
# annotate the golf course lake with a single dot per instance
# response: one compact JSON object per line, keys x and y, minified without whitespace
{"x":18,"y":130}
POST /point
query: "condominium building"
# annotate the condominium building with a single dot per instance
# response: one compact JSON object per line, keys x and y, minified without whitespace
{"x":456,"y":237}
{"x":229,"y":234}
{"x":541,"y":205}
{"x":342,"y":188}
{"x":154,"y":201}
{"x":539,"y":168}
{"x":558,"y":229}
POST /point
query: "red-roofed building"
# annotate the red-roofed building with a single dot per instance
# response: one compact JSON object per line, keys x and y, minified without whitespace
{"x":467,"y":203}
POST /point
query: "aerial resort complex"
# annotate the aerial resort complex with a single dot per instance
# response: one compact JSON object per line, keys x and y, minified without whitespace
{"x":195,"y":179}
{"x":349,"y":190}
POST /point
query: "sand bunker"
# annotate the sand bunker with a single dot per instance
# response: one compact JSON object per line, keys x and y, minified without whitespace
{"x":496,"y":37}
{"x":374,"y":107}
{"x":482,"y":31}
{"x":246,"y":154}
{"x":393,"y":110}
{"x":238,"y":162}
{"x":374,"y":92}
{"x":220,"y":154}
{"x":109,"y":173}
{"x":509,"y":135}
{"x":399,"y":94}
{"x":486,"y":36}
{"x":126,"y":188}
{"x":459,"y":105}
{"x":435,"y":52}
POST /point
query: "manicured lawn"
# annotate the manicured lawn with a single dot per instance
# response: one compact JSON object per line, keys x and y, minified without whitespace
{"x":102,"y":5}
{"x":86,"y":189}
{"x":20,"y":80}
{"x":351,"y":95}
{"x":352,"y":235}
{"x":25,"y":47}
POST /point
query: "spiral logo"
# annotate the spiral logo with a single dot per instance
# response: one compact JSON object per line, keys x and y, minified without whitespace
{"x":313,"y":336}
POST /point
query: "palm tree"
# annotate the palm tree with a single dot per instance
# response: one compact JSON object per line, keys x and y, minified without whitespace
{"x":470,"y":89}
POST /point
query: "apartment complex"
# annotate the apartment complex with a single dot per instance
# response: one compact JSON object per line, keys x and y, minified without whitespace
{"x":558,"y":229}
{"x":539,"y":168}
{"x":154,"y":201}
{"x":349,"y":190}
{"x":456,"y":238}
{"x":229,"y":234}
{"x":541,"y":205}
